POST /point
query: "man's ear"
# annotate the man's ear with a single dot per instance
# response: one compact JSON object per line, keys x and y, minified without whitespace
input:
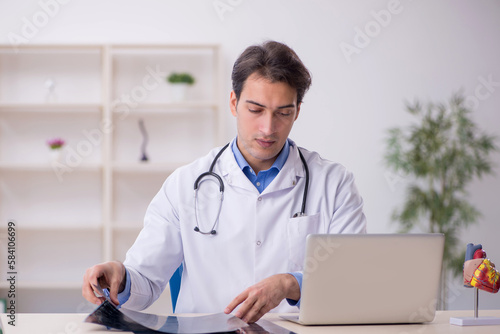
{"x":233,"y":102}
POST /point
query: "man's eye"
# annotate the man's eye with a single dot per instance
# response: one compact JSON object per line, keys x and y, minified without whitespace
{"x":285,"y":113}
{"x":254,"y":110}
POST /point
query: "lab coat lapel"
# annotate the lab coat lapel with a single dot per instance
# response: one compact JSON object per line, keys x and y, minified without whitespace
{"x":290,"y":174}
{"x":231,"y":173}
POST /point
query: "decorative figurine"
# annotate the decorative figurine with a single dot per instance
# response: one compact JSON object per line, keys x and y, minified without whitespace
{"x":479,"y":273}
{"x":51,"y":96}
{"x":144,"y":133}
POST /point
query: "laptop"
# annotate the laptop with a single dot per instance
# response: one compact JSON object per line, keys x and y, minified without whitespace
{"x":370,"y":279}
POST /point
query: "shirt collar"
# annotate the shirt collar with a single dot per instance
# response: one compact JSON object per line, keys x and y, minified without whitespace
{"x":278,"y":163}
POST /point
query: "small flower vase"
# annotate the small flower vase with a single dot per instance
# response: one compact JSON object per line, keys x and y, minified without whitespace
{"x":179,"y":92}
{"x":56,"y":155}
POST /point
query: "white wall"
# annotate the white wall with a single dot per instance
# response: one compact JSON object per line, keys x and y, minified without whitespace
{"x":426,"y":49}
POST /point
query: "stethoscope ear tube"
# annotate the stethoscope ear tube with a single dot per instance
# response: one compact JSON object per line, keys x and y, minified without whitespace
{"x":306,"y":186}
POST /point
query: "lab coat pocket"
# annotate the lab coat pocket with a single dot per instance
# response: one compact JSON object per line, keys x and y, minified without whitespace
{"x":298,"y":228}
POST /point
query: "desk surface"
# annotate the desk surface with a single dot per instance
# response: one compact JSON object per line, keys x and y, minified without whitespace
{"x":72,"y":323}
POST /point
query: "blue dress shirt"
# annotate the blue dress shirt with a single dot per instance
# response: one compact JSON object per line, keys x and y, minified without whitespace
{"x":265,"y":177}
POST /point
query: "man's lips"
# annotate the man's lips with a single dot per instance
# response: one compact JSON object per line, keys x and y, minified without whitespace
{"x":265,"y":143}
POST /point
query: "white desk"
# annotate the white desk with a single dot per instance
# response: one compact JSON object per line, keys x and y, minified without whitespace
{"x":72,"y":323}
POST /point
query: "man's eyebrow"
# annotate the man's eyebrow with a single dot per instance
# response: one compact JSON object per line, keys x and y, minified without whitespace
{"x":291,"y":105}
{"x":256,"y":103}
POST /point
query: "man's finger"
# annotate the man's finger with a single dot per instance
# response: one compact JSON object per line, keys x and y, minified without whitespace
{"x":250,"y":310}
{"x":88,"y":293}
{"x":259,"y":315}
{"x":87,"y":290}
{"x":263,"y":310}
{"x":113,"y":292}
{"x":236,"y":301}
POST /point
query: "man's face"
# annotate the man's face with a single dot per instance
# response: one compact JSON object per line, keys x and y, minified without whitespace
{"x":265,"y":114}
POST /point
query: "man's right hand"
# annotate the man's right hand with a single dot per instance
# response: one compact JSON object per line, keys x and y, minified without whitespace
{"x":111,"y":275}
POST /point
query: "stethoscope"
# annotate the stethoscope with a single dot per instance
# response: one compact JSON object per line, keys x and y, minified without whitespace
{"x":221,"y":192}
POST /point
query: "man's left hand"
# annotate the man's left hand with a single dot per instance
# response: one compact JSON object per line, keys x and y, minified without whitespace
{"x":262,"y":297}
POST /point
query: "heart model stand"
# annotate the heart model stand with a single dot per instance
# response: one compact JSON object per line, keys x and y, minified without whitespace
{"x":479,"y":273}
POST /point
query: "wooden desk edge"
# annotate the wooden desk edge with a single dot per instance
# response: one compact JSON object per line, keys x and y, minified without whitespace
{"x":73,"y":323}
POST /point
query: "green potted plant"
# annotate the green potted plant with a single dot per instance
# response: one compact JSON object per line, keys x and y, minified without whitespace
{"x":442,"y":152}
{"x":179,"y":85}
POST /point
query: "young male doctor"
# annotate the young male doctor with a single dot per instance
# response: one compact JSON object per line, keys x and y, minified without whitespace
{"x":241,"y":250}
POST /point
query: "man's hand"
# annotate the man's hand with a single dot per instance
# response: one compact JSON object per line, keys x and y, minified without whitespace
{"x":262,"y":297}
{"x":111,"y":275}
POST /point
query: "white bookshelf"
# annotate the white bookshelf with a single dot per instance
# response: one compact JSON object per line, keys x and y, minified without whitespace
{"x":94,"y":210}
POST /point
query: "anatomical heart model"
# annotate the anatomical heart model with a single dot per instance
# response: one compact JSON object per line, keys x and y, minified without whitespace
{"x":479,"y":271}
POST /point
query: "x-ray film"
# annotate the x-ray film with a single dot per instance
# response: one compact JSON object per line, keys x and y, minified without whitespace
{"x":138,"y":322}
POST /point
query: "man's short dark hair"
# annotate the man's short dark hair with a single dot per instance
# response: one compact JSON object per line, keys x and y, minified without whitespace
{"x":275,"y":62}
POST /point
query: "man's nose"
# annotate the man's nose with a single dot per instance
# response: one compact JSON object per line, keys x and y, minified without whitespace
{"x":268,"y":123}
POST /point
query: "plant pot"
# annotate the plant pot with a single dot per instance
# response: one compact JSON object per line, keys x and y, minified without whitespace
{"x":56,"y":155}
{"x":178,"y":92}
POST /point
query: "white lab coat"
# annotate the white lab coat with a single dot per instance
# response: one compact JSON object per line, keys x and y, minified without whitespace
{"x":256,"y":236}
